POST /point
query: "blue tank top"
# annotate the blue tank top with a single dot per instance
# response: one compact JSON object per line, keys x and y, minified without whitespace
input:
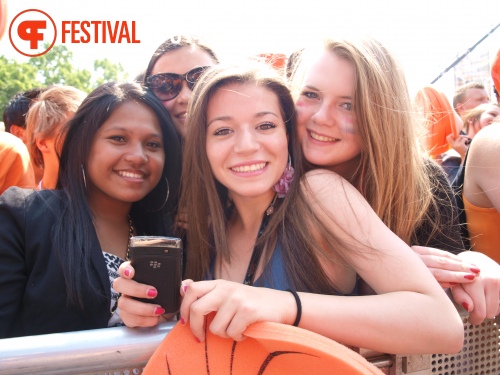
{"x":275,"y":275}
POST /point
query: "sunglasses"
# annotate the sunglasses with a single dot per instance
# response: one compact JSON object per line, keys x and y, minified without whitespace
{"x":166,"y":86}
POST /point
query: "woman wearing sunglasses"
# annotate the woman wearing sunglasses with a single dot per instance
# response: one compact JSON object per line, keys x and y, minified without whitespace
{"x":173,"y":71}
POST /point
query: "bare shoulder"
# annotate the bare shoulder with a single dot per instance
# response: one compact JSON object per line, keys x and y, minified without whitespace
{"x":323,"y":181}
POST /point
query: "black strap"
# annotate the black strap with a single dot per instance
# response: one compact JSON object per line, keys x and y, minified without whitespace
{"x":458,"y":187}
{"x":256,"y":253}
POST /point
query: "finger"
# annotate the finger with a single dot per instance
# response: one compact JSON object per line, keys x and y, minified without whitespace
{"x":139,"y":314}
{"x":462,"y":298}
{"x":126,"y":270}
{"x":133,"y":288}
{"x":184,"y":286}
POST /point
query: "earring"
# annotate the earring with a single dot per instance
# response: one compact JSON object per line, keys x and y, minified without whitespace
{"x":84,"y":179}
{"x":283,"y":184}
{"x":166,"y":198}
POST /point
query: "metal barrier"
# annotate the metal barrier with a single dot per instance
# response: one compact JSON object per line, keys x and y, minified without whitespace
{"x":125,"y":351}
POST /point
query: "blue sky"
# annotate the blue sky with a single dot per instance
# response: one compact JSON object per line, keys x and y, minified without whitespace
{"x":425,"y":35}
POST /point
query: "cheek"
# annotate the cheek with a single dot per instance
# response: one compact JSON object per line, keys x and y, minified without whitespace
{"x":169,"y":105}
{"x":347,"y":124}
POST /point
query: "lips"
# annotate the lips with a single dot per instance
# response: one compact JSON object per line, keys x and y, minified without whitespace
{"x":249,"y":168}
{"x":322,"y":138}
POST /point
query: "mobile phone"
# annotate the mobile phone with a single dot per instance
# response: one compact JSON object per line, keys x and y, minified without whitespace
{"x":158,"y":262}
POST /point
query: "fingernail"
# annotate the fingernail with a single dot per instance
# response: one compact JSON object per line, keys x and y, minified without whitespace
{"x":453,"y":284}
{"x":152,"y":292}
{"x":183,"y":321}
{"x":159,"y":311}
{"x":197,"y":339}
{"x":185,"y":288}
{"x":475,"y":269}
{"x":127,"y":272}
{"x":465,"y":306}
{"x":470,"y":276}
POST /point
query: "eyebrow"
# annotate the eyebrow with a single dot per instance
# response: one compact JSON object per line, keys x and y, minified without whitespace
{"x":120,"y":128}
{"x":228,"y":118}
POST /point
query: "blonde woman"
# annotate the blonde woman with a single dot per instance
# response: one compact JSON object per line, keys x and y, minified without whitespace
{"x":44,"y":125}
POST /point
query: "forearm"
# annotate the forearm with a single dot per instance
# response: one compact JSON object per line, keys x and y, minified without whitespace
{"x":397,"y":323}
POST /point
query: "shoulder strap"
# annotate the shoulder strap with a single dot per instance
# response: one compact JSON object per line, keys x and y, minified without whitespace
{"x":457,"y":185}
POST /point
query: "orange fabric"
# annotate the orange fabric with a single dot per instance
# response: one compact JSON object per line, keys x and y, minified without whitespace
{"x":495,"y":71}
{"x":269,"y":349}
{"x":438,"y":113}
{"x":15,"y":166}
{"x":483,"y":225}
{"x":276,"y":60}
{"x":3,"y":17}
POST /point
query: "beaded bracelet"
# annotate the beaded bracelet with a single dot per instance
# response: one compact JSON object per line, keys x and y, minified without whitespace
{"x":299,"y":307}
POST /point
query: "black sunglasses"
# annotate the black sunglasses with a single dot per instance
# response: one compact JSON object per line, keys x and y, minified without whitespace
{"x":166,"y":86}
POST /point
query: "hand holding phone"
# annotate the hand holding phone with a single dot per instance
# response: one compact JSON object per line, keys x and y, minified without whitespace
{"x":158,"y":262}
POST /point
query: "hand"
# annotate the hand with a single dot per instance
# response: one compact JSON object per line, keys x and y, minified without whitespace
{"x":136,"y":313}
{"x":181,"y":220}
{"x":480,"y":298}
{"x":459,"y":144}
{"x":236,"y":306}
{"x":448,"y":269}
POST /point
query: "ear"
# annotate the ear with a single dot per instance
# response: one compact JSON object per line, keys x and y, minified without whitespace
{"x":18,"y":131}
{"x":42,"y":145}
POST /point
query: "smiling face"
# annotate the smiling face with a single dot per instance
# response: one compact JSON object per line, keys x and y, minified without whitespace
{"x":325,"y":117}
{"x":126,"y":157}
{"x":246,"y":139}
{"x":181,"y":61}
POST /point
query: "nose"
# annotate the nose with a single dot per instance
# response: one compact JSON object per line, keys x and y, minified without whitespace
{"x":246,"y":141}
{"x":136,"y":154}
{"x":185,"y":94}
{"x":325,"y":115}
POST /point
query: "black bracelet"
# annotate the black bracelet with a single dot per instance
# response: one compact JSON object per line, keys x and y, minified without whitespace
{"x":299,"y":307}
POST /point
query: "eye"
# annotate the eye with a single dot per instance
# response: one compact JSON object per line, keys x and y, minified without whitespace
{"x":117,"y":138}
{"x":154,"y":145}
{"x":347,"y":106}
{"x":266,"y":126}
{"x":310,"y":94}
{"x":222,"y":131}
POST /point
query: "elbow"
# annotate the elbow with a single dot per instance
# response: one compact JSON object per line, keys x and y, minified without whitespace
{"x":452,"y":337}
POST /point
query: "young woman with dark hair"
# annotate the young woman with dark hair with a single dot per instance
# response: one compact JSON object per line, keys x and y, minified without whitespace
{"x":119,"y":176}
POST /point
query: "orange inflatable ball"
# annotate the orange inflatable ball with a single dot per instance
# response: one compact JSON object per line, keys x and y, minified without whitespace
{"x":269,"y":349}
{"x":495,"y":71}
{"x":3,"y":17}
{"x":439,"y":117}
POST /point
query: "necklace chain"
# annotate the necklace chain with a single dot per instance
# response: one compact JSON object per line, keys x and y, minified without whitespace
{"x":130,"y":235}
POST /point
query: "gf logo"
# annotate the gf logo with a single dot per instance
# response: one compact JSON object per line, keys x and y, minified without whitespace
{"x":29,"y":29}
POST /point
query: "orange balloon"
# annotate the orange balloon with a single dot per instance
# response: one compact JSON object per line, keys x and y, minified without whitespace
{"x":440,"y":118}
{"x":269,"y":349}
{"x":495,"y":71}
{"x":3,"y":17}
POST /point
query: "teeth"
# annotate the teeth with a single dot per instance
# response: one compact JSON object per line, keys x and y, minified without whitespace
{"x":182,"y":115}
{"x":321,"y":138}
{"x":129,"y":174}
{"x":249,"y":168}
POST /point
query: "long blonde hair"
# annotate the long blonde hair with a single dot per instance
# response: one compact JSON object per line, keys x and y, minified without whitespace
{"x":392,"y":174}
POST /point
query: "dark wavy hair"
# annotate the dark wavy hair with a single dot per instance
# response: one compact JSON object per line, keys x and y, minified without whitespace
{"x":153,"y":215}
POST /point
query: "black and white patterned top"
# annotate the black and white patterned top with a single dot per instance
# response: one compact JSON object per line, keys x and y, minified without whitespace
{"x":112,"y":264}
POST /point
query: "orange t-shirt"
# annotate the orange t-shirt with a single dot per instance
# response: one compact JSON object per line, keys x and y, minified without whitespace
{"x":15,"y":166}
{"x":483,"y":225}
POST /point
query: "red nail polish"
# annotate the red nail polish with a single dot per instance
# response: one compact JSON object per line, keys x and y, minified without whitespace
{"x":465,"y":306}
{"x":159,"y":311}
{"x":475,"y":269}
{"x":470,"y":276}
{"x":197,"y":339}
{"x":126,"y":272}
{"x":185,"y":288}
{"x":453,"y":284}
{"x":183,"y":322}
{"x":152,"y":292}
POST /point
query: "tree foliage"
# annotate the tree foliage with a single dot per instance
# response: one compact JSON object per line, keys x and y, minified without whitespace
{"x":55,"y":67}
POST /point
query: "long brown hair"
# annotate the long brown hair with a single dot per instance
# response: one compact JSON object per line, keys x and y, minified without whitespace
{"x":207,"y":203}
{"x":392,"y":174}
